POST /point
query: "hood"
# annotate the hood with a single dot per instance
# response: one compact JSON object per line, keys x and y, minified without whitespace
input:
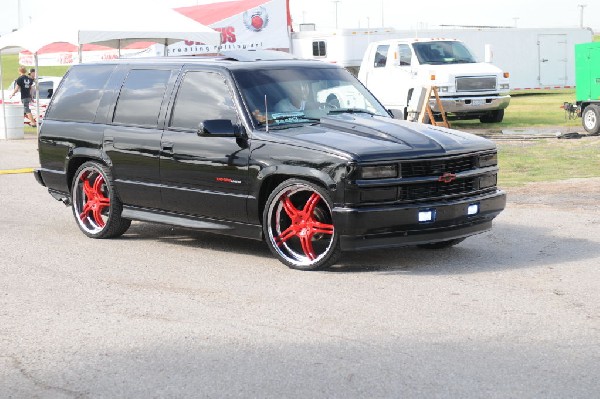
{"x":472,"y":69}
{"x":374,"y":138}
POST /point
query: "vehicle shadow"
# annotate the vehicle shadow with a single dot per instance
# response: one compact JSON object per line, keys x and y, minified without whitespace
{"x":506,"y":246}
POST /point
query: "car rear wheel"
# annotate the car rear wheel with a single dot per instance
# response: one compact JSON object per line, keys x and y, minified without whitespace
{"x":591,"y":119}
{"x":96,"y":207}
{"x":298,"y":226}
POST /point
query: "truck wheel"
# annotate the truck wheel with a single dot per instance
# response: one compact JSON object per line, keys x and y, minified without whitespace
{"x":442,"y":244}
{"x":591,"y":119}
{"x":492,"y":117}
{"x":96,"y":207}
{"x":298,"y":226}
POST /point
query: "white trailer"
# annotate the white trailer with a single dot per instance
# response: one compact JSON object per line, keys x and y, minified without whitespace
{"x":535,"y":58}
{"x":344,"y":47}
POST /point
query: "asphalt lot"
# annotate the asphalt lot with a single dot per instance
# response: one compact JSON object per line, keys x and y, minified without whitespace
{"x":168,"y":312}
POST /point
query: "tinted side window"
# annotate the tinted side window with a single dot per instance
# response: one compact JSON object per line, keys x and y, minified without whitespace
{"x":202,"y":96}
{"x":46,"y":89}
{"x":141,"y":97}
{"x":405,"y":54}
{"x":80,"y":93}
{"x":319,"y":49}
{"x":381,"y":56}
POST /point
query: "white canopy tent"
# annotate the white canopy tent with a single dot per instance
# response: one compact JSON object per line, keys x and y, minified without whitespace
{"x":110,"y":23}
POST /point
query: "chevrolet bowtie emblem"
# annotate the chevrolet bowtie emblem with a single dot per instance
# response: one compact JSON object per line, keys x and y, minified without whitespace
{"x":447,"y":177}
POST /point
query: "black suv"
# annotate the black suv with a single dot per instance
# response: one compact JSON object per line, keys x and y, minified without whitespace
{"x":296,"y":153}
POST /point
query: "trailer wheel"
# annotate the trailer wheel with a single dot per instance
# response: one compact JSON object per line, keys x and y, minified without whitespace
{"x":591,"y":119}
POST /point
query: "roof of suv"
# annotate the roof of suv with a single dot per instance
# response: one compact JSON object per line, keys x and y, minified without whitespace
{"x":243,"y":59}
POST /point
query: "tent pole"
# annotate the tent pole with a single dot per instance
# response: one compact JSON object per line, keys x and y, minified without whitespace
{"x":37,"y":93}
{"x":165,"y":51}
{"x":2,"y":96}
{"x":79,"y":52}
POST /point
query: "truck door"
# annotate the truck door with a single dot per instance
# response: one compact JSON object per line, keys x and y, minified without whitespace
{"x":377,"y":80}
{"x":552,"y":51}
{"x":203,"y":174}
{"x":132,"y":136}
{"x":391,"y":75}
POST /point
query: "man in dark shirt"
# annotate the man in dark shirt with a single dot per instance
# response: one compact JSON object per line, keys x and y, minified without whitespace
{"x":24,"y":83}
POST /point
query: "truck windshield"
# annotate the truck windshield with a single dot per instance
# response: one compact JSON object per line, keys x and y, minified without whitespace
{"x":443,"y":52}
{"x":302,"y":95}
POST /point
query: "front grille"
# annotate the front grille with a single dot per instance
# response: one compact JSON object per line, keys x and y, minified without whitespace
{"x":482,"y":83}
{"x":437,"y":166}
{"x":415,"y":192}
{"x":434,"y":179}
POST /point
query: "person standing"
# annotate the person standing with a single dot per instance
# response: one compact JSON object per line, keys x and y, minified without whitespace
{"x":24,"y":83}
{"x":33,"y":85}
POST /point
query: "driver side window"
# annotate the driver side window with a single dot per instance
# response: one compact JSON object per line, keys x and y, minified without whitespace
{"x":202,"y":96}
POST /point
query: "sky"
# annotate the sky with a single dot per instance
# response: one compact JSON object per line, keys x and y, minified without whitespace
{"x":376,"y":13}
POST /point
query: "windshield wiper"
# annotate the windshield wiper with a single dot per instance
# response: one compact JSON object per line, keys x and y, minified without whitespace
{"x":350,"y":111}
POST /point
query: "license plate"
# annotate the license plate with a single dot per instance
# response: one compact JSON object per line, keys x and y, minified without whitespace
{"x":477,"y":103}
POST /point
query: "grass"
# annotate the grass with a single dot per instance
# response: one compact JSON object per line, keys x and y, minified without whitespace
{"x":530,"y":109}
{"x":548,"y":160}
{"x":10,"y":66}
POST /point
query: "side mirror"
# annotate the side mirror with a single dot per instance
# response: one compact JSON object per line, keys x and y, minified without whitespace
{"x":217,"y":127}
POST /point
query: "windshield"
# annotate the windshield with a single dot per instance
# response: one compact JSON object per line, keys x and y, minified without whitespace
{"x":302,"y":95}
{"x":439,"y":52}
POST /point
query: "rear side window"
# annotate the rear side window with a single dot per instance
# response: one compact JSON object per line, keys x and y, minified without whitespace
{"x":80,"y":93}
{"x":405,"y":54}
{"x":141,"y":97}
{"x":202,"y":96}
{"x":381,"y":56}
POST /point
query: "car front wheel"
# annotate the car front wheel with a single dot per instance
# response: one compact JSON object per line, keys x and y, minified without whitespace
{"x":298,"y":226}
{"x":96,"y":207}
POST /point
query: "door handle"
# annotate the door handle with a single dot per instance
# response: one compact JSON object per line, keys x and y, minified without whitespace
{"x":544,"y":60}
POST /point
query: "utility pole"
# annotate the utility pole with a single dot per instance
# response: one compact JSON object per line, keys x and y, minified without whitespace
{"x":582,"y":6}
{"x":336,"y":12}
{"x":19,"y":12}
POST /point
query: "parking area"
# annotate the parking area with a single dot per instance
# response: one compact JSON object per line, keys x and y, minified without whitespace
{"x":170,"y":312}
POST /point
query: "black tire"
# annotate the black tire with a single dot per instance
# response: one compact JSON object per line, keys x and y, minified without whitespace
{"x":442,"y":244}
{"x":96,"y":207}
{"x":298,"y":226}
{"x":492,"y":117}
{"x":590,"y":119}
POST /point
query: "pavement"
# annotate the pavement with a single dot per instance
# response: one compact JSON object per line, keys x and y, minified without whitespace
{"x":19,"y":156}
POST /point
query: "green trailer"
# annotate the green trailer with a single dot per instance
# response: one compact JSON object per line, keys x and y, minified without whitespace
{"x":587,"y":81}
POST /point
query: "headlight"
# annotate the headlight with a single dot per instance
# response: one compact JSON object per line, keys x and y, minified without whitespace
{"x":443,"y":89}
{"x":486,"y":160}
{"x":505,"y":86}
{"x":379,"y":172}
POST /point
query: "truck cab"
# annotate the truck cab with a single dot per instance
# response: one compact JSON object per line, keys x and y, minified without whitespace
{"x":396,"y":71}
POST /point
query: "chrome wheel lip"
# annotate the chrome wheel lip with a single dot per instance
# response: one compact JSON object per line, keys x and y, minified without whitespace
{"x":88,"y":224}
{"x":274,"y":227}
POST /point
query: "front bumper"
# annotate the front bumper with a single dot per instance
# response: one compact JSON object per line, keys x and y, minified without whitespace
{"x":398,"y":225}
{"x":471,"y":104}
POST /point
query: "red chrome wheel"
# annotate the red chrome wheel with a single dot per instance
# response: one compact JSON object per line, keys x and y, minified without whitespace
{"x":95,"y":207}
{"x":299,"y":226}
